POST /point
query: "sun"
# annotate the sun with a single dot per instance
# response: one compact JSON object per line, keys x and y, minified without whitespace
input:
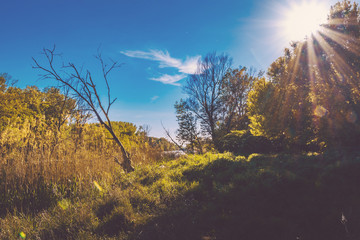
{"x":302,"y":19}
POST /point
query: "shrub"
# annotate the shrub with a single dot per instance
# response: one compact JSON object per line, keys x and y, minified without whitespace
{"x":243,"y":142}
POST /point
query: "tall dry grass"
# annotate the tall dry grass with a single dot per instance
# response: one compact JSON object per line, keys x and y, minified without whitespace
{"x":39,"y":166}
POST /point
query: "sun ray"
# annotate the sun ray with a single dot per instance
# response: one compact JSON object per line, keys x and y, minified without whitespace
{"x":312,"y":61}
{"x":285,"y":96}
{"x":343,"y":70}
{"x":296,"y":63}
{"x":342,"y":39}
{"x":320,"y":70}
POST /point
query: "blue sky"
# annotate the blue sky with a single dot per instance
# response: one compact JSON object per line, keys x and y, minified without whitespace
{"x":159,"y":42}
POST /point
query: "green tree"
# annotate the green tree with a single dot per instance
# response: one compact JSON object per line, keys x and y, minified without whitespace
{"x":259,"y":108}
{"x":280,"y":108}
{"x":235,"y":88}
{"x":188,"y":131}
{"x":58,"y":108}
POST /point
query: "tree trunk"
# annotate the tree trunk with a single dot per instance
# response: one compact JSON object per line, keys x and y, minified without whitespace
{"x":126,"y":164}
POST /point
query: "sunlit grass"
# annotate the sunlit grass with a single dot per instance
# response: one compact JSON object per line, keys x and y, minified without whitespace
{"x":200,"y":193}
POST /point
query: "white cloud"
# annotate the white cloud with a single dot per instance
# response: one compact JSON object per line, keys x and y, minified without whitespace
{"x":170,"y":79}
{"x":165,"y":60}
{"x":154,"y":98}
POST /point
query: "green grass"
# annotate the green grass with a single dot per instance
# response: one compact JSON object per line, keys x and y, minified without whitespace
{"x":218,"y":196}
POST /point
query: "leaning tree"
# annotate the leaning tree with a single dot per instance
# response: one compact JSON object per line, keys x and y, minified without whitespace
{"x":83,"y":87}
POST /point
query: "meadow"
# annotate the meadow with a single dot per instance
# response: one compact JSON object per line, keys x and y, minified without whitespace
{"x":211,"y":196}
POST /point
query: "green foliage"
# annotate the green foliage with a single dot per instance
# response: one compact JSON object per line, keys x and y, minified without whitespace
{"x":188,"y":130}
{"x":47,"y":149}
{"x":235,"y":88}
{"x":51,"y":124}
{"x":221,"y":196}
{"x":2,"y":84}
{"x":259,"y":107}
{"x":244,"y":143}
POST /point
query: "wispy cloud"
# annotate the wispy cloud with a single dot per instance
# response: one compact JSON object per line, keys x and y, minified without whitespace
{"x":165,"y":60}
{"x":154,"y":98}
{"x":170,"y":79}
{"x":187,"y":66}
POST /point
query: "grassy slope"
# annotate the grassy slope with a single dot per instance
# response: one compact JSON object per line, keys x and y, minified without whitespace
{"x":216,"y":196}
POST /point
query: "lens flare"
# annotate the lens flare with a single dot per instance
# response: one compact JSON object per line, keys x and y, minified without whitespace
{"x":351,"y":117}
{"x":63,"y":204}
{"x":320,"y":111}
{"x":22,"y":235}
{"x":98,"y":186}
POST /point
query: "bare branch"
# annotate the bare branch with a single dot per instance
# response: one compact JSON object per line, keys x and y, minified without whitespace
{"x":167,"y":132}
{"x":84,"y":89}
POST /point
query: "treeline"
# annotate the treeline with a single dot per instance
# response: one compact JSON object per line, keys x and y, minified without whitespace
{"x":308,"y":100}
{"x":52,"y":124}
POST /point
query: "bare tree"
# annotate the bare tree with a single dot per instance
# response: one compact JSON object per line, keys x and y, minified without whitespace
{"x":84,"y":89}
{"x":204,"y":90}
{"x":167,"y":132}
{"x":5,"y":81}
{"x":144,"y":130}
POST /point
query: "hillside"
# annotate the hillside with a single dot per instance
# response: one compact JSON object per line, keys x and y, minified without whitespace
{"x":214,"y":196}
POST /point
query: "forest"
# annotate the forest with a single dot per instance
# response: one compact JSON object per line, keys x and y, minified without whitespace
{"x":257,"y":154}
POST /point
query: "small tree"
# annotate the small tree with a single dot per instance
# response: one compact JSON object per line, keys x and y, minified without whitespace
{"x":84,"y":89}
{"x":187,"y":131}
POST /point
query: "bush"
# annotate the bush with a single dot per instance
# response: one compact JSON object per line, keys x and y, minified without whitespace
{"x":243,"y":142}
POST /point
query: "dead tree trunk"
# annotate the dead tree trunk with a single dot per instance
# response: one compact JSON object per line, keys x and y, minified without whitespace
{"x":85,"y":91}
